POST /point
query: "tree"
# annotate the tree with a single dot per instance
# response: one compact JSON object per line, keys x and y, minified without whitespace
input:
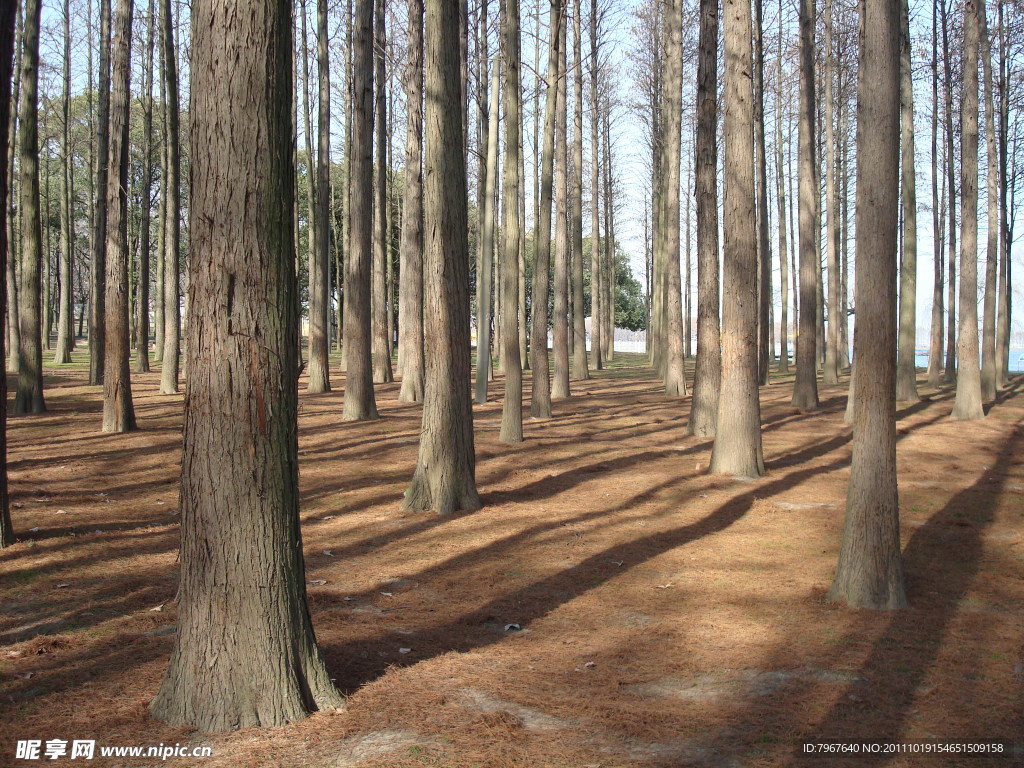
{"x":142,"y":317}
{"x":512,"y":408}
{"x":737,"y":449}
{"x":968,"y":404}
{"x":938,"y":228}
{"x":29,"y":398}
{"x":560,"y":303}
{"x":444,"y":479}
{"x":359,"y":400}
{"x":870,"y":571}
{"x":764,"y":249}
{"x":949,"y":373}
{"x":484,"y":307}
{"x":675,"y":380}
{"x":172,"y":212}
{"x":382,"y":372}
{"x":906,"y":370}
{"x":707,"y":368}
{"x":580,"y":369}
{"x":596,"y":305}
{"x":98,"y":255}
{"x":410,"y":289}
{"x":989,"y":363}
{"x":245,"y":653}
{"x":805,"y":389}
{"x":830,"y":374}
{"x":65,"y":319}
{"x":319,"y":276}
{"x":7,"y":23}
{"x":118,"y":409}
{"x":781,"y":192}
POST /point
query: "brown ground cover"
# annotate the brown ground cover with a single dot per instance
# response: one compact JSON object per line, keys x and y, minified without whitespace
{"x":659,"y":616}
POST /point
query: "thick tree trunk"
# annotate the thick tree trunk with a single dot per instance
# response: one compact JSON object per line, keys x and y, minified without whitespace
{"x":410,"y":289}
{"x":118,"y":409}
{"x":359,"y":398}
{"x":737,"y":449}
{"x":580,"y":369}
{"x":989,"y":365}
{"x":7,"y":35}
{"x":65,"y":314}
{"x":382,"y":372}
{"x":512,"y":408}
{"x":805,"y":390}
{"x":968,"y":404}
{"x":444,"y":479}
{"x":870,"y":572}
{"x":172,"y":220}
{"x":906,"y":370}
{"x":245,"y":653}
{"x":707,"y":367}
{"x":560,"y":304}
{"x":540,"y":396}
{"x":97,"y":261}
{"x":29,"y":397}
{"x":486,"y":278}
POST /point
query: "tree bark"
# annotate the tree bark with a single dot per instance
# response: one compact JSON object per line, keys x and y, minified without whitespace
{"x":444,"y":479}
{"x":870,"y":572}
{"x":512,"y":408}
{"x":540,"y":396}
{"x":764,"y":249}
{"x":359,"y":398}
{"x":245,"y":653}
{"x":172,"y":217}
{"x":781,"y":192}
{"x":906,"y":369}
{"x":118,"y":408}
{"x":989,"y":365}
{"x":949,"y":374}
{"x":13,"y":211}
{"x":97,"y":262}
{"x":410,"y":290}
{"x":560,"y":304}
{"x":486,"y":277}
{"x":580,"y":370}
{"x":382,"y":372}
{"x":707,"y":367}
{"x":7,"y":36}
{"x":830,"y":373}
{"x":596,"y":304}
{"x":737,"y":449}
{"x":938,"y":230}
{"x":968,"y":404}
{"x":29,"y":397}
{"x":65,"y":314}
{"x":805,"y":390}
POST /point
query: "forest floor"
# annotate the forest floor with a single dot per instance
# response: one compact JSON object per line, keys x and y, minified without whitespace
{"x":611,"y":605}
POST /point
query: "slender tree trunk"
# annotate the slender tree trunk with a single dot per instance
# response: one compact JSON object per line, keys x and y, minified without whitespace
{"x":142,"y":300}
{"x":906,"y":369}
{"x":29,"y":397}
{"x":737,"y":449}
{"x":540,"y":397}
{"x":8,"y":11}
{"x":444,"y":479}
{"x":580,"y":370}
{"x":410,"y":290}
{"x":512,"y":409}
{"x":870,"y":572}
{"x":245,"y":653}
{"x":805,"y":390}
{"x":968,"y":403}
{"x":158,"y":311}
{"x":608,"y":283}
{"x":560,"y":305}
{"x":382,"y":372}
{"x":938,"y":231}
{"x":97,"y":263}
{"x":596,"y":305}
{"x":359,"y":397}
{"x":764,"y":250}
{"x":707,"y":367}
{"x":950,"y":367}
{"x":989,"y":365}
{"x":830,"y":373}
{"x":118,"y":409}
{"x":484,"y":313}
{"x":65,"y":317}
{"x":1006,"y":227}
{"x":172,"y":221}
{"x":311,"y":206}
{"x":781,"y":192}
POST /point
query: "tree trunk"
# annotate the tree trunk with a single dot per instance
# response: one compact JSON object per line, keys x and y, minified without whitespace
{"x":707,"y":367}
{"x":540,"y":397}
{"x":968,"y":404}
{"x":172,"y":221}
{"x":989,"y":375}
{"x":13,"y":212}
{"x":1003,"y":324}
{"x":444,"y":479}
{"x":596,"y":304}
{"x":410,"y":290}
{"x":949,"y":374}
{"x":319,"y":275}
{"x":158,"y":312}
{"x":7,"y":36}
{"x":118,"y":409}
{"x":830,"y":373}
{"x":97,"y":262}
{"x":65,"y":315}
{"x":781,"y":191}
{"x":29,"y":397}
{"x":512,"y":409}
{"x":359,"y":398}
{"x":560,"y":304}
{"x":764,"y":249}
{"x":608,"y":283}
{"x":906,"y":369}
{"x":938,"y":230}
{"x":486,"y":277}
{"x":870,"y":572}
{"x":142,"y":295}
{"x":382,"y":372}
{"x":580,"y":370}
{"x":737,"y":449}
{"x":805,"y":390}
{"x":245,"y":653}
